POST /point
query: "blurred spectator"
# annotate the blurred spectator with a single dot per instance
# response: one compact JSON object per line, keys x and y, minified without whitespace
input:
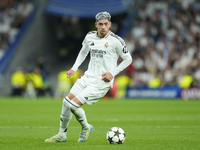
{"x":168,"y":76}
{"x":18,"y":82}
{"x":45,"y":71}
{"x":196,"y":5}
{"x":122,"y":82}
{"x":64,"y":84}
{"x":2,"y":49}
{"x":154,"y":82}
{"x":130,"y":43}
{"x":25,"y":8}
{"x":197,"y":76}
{"x":13,"y":13}
{"x":186,"y":81}
{"x":17,"y":22}
{"x":166,"y":38}
{"x":35,"y":78}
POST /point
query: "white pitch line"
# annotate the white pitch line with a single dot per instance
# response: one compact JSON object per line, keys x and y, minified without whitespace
{"x":47,"y":127}
{"x":114,"y":120}
{"x":27,"y":127}
{"x":148,"y":119}
{"x":178,"y":127}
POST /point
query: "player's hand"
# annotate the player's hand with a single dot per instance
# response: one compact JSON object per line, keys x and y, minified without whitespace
{"x":70,"y":73}
{"x":107,"y":77}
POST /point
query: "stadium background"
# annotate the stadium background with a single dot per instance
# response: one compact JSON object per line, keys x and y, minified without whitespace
{"x":162,"y":36}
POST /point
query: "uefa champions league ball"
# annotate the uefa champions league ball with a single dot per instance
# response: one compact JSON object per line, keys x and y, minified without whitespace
{"x":115,"y":135}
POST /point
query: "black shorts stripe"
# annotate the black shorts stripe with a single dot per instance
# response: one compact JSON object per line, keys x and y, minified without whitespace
{"x":71,"y":103}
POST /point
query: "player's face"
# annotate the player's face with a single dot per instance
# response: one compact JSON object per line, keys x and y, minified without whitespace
{"x":103,"y":27}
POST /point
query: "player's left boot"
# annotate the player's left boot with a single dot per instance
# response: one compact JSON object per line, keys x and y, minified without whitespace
{"x":85,"y":132}
{"x":56,"y":138}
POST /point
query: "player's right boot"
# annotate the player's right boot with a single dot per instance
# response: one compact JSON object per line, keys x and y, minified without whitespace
{"x":56,"y":138}
{"x":85,"y":132}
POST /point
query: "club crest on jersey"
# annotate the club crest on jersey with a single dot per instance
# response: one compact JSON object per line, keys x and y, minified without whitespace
{"x":106,"y":45}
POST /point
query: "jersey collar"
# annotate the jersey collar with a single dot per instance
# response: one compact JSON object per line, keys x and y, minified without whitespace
{"x":105,"y":36}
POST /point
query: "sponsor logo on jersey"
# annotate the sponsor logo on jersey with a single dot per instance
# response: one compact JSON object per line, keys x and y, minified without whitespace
{"x":106,"y":45}
{"x":97,"y":53}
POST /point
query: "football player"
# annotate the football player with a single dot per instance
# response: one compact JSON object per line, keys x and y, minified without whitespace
{"x":105,"y":47}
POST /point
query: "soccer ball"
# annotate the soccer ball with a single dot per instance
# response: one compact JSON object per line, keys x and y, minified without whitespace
{"x":115,"y":135}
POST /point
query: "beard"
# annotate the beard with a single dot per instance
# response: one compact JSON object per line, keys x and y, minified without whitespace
{"x":103,"y":33}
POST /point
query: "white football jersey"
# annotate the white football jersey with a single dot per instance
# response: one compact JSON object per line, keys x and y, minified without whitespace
{"x":104,"y":54}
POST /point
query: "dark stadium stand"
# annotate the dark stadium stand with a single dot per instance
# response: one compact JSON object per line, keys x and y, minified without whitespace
{"x":86,"y":8}
{"x":162,"y":36}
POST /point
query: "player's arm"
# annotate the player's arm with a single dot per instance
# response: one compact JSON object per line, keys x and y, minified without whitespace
{"x":70,"y":73}
{"x":80,"y":58}
{"x":127,"y":59}
{"x":107,"y":76}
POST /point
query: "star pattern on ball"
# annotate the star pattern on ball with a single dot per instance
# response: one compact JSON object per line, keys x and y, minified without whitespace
{"x":110,"y":139}
{"x":116,"y":135}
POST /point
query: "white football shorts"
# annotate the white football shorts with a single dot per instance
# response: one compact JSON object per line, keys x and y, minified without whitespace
{"x":89,"y":89}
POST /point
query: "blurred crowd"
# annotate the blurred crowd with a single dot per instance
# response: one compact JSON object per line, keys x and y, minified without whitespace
{"x":32,"y":82}
{"x":12,"y":15}
{"x":164,"y":41}
{"x":35,"y":82}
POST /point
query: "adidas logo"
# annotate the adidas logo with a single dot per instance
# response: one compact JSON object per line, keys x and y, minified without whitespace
{"x":92,"y":44}
{"x":86,"y":98}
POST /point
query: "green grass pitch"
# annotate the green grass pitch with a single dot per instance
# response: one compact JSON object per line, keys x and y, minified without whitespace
{"x":148,"y":124}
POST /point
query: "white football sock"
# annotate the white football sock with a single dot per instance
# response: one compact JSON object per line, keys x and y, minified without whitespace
{"x":79,"y":113}
{"x":65,"y":117}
